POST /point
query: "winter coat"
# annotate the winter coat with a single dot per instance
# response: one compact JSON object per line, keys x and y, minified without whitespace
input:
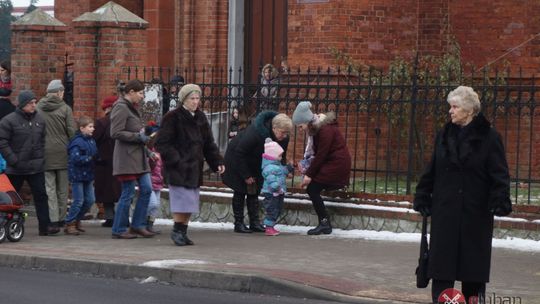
{"x":6,"y":107}
{"x":129,"y":155}
{"x":267,"y":95}
{"x":275,"y":176}
{"x":243,"y":155}
{"x":107,"y":187}
{"x":60,"y":129}
{"x":331,"y":164}
{"x":22,"y":142}
{"x":185,"y":141}
{"x":465,"y":179}
{"x":156,"y":169}
{"x":82,"y":151}
{"x":6,"y":87}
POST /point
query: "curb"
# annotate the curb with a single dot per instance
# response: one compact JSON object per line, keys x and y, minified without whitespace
{"x":247,"y":283}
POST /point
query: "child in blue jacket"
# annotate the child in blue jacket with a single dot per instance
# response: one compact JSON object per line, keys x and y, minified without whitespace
{"x":274,"y":186}
{"x":82,"y":151}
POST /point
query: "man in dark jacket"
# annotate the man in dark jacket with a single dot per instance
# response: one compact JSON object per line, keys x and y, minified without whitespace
{"x":22,"y":143}
{"x":243,"y":160}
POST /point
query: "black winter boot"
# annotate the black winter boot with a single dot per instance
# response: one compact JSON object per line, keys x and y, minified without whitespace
{"x":323,"y":227}
{"x":178,"y":236}
{"x":238,"y":211}
{"x":253,"y":212}
{"x":183,"y":229}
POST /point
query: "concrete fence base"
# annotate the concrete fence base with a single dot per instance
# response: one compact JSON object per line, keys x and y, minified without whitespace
{"x":382,"y":216}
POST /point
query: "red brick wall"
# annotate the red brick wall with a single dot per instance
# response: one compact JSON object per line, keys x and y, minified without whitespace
{"x":37,"y":57}
{"x":487,"y":30}
{"x":67,"y":10}
{"x":99,"y":63}
{"x":371,"y":32}
{"x":202,"y":33}
{"x":160,"y":42}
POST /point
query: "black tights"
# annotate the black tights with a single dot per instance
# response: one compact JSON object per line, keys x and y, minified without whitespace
{"x":314,"y":190}
{"x":469,"y":289}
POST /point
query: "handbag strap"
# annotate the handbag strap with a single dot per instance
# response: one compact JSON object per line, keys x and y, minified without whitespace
{"x":424,"y":230}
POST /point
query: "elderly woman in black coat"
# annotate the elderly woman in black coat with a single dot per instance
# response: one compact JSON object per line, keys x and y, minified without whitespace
{"x":465,"y":185}
{"x":243,"y":160}
{"x":185,"y":141}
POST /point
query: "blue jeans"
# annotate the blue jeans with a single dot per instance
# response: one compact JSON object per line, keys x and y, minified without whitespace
{"x":83,"y":199}
{"x":272,"y":208}
{"x":121,"y":217}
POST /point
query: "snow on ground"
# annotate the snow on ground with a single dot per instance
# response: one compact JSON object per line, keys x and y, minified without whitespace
{"x":508,"y":243}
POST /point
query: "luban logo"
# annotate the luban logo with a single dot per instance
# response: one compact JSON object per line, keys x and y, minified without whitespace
{"x":451,"y":296}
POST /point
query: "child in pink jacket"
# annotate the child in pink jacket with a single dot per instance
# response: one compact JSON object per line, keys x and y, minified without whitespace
{"x":156,"y":165}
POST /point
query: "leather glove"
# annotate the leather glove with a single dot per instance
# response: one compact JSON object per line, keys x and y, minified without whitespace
{"x":501,"y":210}
{"x":425,"y":211}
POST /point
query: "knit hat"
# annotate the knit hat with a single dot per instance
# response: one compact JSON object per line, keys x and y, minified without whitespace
{"x":54,"y":86}
{"x":151,"y":128}
{"x":272,"y":148}
{"x":302,"y":114}
{"x":25,"y":97}
{"x":108,"y":102}
{"x":186,"y":90}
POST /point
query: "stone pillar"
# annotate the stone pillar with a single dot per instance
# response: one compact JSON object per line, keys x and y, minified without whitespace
{"x":38,"y":54}
{"x":107,"y":42}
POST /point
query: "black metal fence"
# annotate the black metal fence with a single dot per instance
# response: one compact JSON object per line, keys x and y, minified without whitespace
{"x":389,"y":119}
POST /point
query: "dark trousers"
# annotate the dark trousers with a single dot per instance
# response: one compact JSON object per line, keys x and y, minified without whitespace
{"x":39,"y":195}
{"x":314,"y":190}
{"x":251,"y":200}
{"x":469,"y":289}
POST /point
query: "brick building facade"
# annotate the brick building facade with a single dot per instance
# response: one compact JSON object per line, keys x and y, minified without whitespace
{"x":192,"y":34}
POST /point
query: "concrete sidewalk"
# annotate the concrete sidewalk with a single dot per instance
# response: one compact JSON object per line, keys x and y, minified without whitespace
{"x":319,"y":267}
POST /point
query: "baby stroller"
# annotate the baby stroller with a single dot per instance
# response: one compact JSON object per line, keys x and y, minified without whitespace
{"x":11,"y":218}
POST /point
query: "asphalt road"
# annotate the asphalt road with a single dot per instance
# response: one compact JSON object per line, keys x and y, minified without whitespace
{"x":18,"y":286}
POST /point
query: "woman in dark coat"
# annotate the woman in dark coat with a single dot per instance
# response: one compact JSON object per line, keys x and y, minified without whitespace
{"x":465,"y":184}
{"x":185,"y":141}
{"x":243,"y":160}
{"x":327,"y":161}
{"x":107,"y":187}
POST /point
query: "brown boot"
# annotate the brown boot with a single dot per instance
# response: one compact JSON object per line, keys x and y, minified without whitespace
{"x":142,"y":232}
{"x":79,"y":227}
{"x":101,"y":211}
{"x":71,"y":229}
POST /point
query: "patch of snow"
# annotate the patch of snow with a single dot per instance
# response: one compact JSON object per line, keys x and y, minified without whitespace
{"x":171,"y":263}
{"x":150,"y":279}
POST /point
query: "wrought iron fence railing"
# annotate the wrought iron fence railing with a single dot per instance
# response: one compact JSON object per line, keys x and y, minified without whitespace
{"x":389,"y":119}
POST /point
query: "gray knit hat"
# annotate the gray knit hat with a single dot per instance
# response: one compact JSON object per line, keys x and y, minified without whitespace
{"x":54,"y":86}
{"x":25,"y":96}
{"x":186,"y":90}
{"x":302,"y":114}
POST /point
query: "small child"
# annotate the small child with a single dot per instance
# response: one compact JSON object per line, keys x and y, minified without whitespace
{"x":274,"y":186}
{"x":82,"y":151}
{"x":156,"y":166}
{"x":234,"y":124}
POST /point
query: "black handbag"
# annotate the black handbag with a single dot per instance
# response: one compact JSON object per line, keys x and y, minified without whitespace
{"x":422,"y":279}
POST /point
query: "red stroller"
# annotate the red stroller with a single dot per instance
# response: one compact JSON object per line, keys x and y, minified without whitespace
{"x":11,"y":218}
